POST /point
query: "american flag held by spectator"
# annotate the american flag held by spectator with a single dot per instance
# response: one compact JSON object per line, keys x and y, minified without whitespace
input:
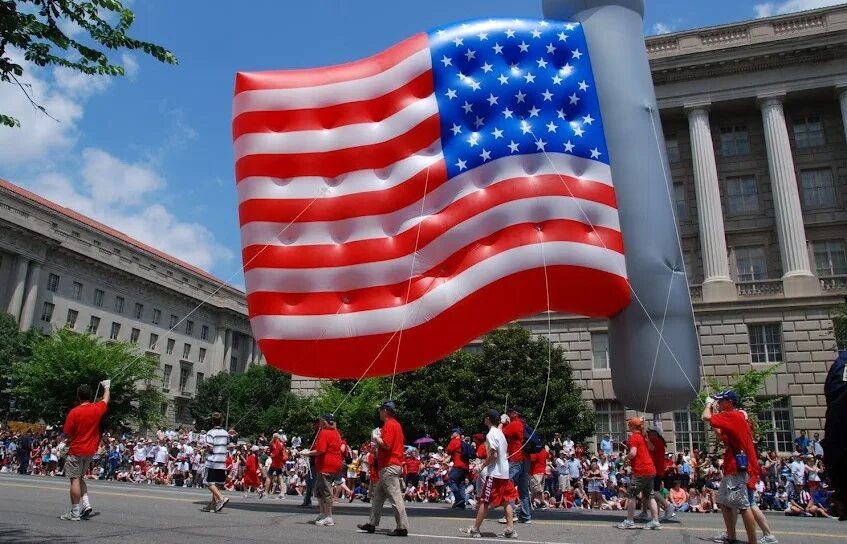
{"x":424,"y":195}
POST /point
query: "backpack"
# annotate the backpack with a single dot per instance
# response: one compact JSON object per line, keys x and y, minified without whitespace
{"x":532,"y":440}
{"x":468,"y":452}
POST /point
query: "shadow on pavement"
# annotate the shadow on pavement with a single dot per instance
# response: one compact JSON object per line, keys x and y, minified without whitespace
{"x":21,"y":535}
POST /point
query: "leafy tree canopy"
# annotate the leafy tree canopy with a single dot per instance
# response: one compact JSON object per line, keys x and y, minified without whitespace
{"x":15,"y":346}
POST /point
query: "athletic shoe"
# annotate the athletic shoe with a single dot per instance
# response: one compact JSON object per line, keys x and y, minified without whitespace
{"x":720,"y":537}
{"x":642,"y":516}
{"x":304,"y":505}
{"x":70,"y":516}
{"x":208,"y":508}
{"x":626,"y":524}
{"x":86,"y":511}
{"x":325,"y":522}
{"x":525,"y":521}
{"x":768,"y":539}
{"x":367,"y":528}
{"x":510,"y":533}
{"x":653,"y":525}
{"x":472,"y":532}
{"x":502,"y":521}
{"x":220,"y":506}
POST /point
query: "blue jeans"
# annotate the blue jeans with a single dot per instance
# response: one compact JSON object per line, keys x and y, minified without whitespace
{"x":519,"y":473}
{"x":456,"y":479}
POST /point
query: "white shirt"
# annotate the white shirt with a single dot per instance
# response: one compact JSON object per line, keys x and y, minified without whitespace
{"x":139,"y":453}
{"x":568,"y":447}
{"x":496,"y":441}
{"x":218,"y":438}
{"x":161,"y":454}
{"x":798,"y":471}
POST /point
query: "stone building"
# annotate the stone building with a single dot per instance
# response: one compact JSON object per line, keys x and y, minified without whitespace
{"x":61,"y":269}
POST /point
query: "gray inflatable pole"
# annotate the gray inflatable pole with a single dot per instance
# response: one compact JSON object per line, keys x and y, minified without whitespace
{"x":661,"y":300}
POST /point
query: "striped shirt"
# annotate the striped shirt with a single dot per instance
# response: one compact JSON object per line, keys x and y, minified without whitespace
{"x":218,"y":438}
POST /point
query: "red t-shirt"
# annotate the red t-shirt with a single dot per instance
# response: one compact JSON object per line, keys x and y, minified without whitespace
{"x":642,"y":464}
{"x":538,"y":462}
{"x":658,"y":453}
{"x":328,"y":444}
{"x":277,"y":454}
{"x":514,"y":440}
{"x":481,"y":452}
{"x":454,"y":448}
{"x":392,"y":435}
{"x":737,"y":436}
{"x":374,"y":473}
{"x":413,"y":465}
{"x":83,"y":427}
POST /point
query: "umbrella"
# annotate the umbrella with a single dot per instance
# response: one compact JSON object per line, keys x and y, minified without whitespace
{"x":424,"y":440}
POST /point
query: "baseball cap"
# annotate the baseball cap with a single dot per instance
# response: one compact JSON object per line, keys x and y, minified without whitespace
{"x":515,"y":409}
{"x":456,"y":430}
{"x":493,"y":415}
{"x":729,"y":394}
{"x":388,"y":405}
{"x":329,"y":418}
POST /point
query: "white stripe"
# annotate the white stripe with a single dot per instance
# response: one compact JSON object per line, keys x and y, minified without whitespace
{"x":393,"y":271}
{"x":392,"y":223}
{"x":363,"y":181}
{"x":332,"y":139}
{"x":441,"y":297}
{"x":360,"y":181}
{"x":330,"y":94}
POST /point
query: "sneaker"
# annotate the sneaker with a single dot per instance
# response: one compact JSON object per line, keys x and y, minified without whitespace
{"x":642,"y":516}
{"x":768,"y":539}
{"x":325,"y":522}
{"x":720,"y":537}
{"x":70,"y":516}
{"x":208,"y":508}
{"x":525,"y":521}
{"x":472,"y":532}
{"x":399,"y":532}
{"x":502,"y":521}
{"x":510,"y":533}
{"x":86,"y":511}
{"x":653,"y":525}
{"x":626,"y":524}
{"x":220,"y":506}
{"x":317,"y":519}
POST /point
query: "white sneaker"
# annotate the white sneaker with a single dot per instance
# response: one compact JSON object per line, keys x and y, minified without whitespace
{"x":626,"y":524}
{"x":70,"y":516}
{"x":510,"y":533}
{"x":768,"y":539}
{"x":472,"y":532}
{"x":653,"y":525}
{"x":502,"y":521}
{"x":721,"y":537}
{"x":642,"y":516}
{"x":325,"y":522}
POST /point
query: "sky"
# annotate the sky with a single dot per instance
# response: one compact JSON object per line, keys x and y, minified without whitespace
{"x":150,"y":153}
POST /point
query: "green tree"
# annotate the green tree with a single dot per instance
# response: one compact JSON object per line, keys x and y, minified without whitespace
{"x":15,"y":346}
{"x":355,"y":410}
{"x":45,"y":384}
{"x":839,"y":326}
{"x":38,"y":28}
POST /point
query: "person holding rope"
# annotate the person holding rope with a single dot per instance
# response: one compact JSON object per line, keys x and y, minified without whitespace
{"x":328,"y":461}
{"x":82,"y":427}
{"x":279,"y":456}
{"x":643,"y":474}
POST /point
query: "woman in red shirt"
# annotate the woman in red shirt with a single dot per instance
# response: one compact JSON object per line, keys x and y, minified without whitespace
{"x":251,"y":471}
{"x":328,"y":461}
{"x":643,"y":472}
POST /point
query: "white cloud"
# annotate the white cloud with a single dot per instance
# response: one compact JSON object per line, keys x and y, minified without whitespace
{"x":116,"y":182}
{"x":768,"y":9}
{"x":130,"y":66}
{"x":662,"y":28}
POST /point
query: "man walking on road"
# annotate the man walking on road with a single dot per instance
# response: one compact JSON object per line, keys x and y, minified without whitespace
{"x":459,"y":470}
{"x":518,"y":461}
{"x":217,"y":440}
{"x":82,"y":427}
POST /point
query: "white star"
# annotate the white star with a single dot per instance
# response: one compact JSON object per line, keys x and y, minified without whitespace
{"x":441,"y":32}
{"x":540,"y":144}
{"x":520,"y":96}
{"x":513,"y":147}
{"x":462,"y":76}
{"x":526,"y":128}
{"x":524,"y":47}
{"x":498,"y":49}
{"x":541,"y":63}
{"x":467,"y":106}
{"x":563,"y":37}
{"x":497,"y":133}
{"x":561,"y":113}
{"x":474,"y":139}
{"x":588,"y":119}
{"x":529,"y":77}
{"x":595,"y":153}
{"x":515,"y":68}
{"x":507,"y":113}
{"x":557,"y":80}
{"x":474,"y":85}
{"x":446,"y":60}
{"x":570,"y":26}
{"x":462,"y":165}
{"x":459,"y":41}
{"x":551,"y":48}
{"x":544,"y":23}
{"x":503,"y":79}
{"x":451,"y":94}
{"x":486,"y":155}
{"x":551,"y":127}
{"x":536,"y":34}
{"x":470,"y":54}
{"x":479,"y":121}
{"x":577,"y":131}
{"x":487,"y":67}
{"x":574,"y":98}
{"x":567,"y":69}
{"x":568,"y":147}
{"x":577,"y":54}
{"x":534,"y":112}
{"x":492,"y":99}
{"x":548,"y":96}
{"x":510,"y":33}
{"x":583,"y":86}
{"x":456,"y":129}
{"x":483,"y":36}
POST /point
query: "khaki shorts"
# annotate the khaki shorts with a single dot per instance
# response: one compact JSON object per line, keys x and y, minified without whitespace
{"x":76,"y":466}
{"x":323,"y":487}
{"x":641,"y":484}
{"x":536,"y":483}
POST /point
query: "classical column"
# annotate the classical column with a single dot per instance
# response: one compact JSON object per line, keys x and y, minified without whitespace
{"x":717,"y":284}
{"x":842,"y":100}
{"x":227,"y":350}
{"x":29,"y":309}
{"x":252,"y":351}
{"x":18,"y":285}
{"x":797,"y":276}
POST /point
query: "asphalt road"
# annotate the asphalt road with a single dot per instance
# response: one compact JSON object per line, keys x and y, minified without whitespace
{"x":127,"y":514}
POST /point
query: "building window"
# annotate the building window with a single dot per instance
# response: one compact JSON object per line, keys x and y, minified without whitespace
{"x":47,"y":312}
{"x":600,"y":349}
{"x":164,"y":409}
{"x":751,"y":263}
{"x":689,"y":430}
{"x":71,"y":321}
{"x":189,"y":327}
{"x":52,"y":283}
{"x":202,"y":355}
{"x":233,"y":364}
{"x":610,"y":420}
{"x":679,"y":199}
{"x":808,"y":131}
{"x":169,"y":349}
{"x":157,"y":316}
{"x":139,"y":310}
{"x":76,"y":291}
{"x":776,"y":421}
{"x":174,"y":321}
{"x":204,"y":332}
{"x":818,"y":188}
{"x":182,"y":413}
{"x":742,"y":194}
{"x":735,"y":141}
{"x":119,"y":305}
{"x":672,"y":147}
{"x":234,"y":341}
{"x":154,"y":339}
{"x":765,"y":343}
{"x":199,"y":380}
{"x":183,"y":378}
{"x":186,"y":351}
{"x":93,"y":324}
{"x":133,"y":335}
{"x":98,"y":298}
{"x":116,"y":330}
{"x":830,"y":257}
{"x":166,"y":377}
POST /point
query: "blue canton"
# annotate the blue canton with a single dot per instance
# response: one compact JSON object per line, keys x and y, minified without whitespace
{"x":507,"y":87}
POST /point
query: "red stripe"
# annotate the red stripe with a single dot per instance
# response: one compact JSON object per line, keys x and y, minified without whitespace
{"x":573,"y":289}
{"x":392,"y":247}
{"x":331,"y":164}
{"x":384,"y":296}
{"x":364,"y":111}
{"x":312,"y":77}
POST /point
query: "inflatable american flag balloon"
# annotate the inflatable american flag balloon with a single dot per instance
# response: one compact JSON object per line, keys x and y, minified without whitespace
{"x":395,"y":208}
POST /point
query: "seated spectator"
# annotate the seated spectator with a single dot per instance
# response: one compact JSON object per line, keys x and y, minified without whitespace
{"x":678,"y":496}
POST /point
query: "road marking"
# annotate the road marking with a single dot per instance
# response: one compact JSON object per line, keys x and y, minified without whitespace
{"x":484,"y":539}
{"x":100,"y":492}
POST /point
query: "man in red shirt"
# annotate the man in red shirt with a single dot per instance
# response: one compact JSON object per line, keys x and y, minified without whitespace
{"x":82,"y":427}
{"x":390,"y":445}
{"x":643,"y":472}
{"x":412,"y":469}
{"x":537,"y":468}
{"x":657,"y":454}
{"x":279,"y":456}
{"x":459,"y":471}
{"x":327,"y":454}
{"x":518,"y":461}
